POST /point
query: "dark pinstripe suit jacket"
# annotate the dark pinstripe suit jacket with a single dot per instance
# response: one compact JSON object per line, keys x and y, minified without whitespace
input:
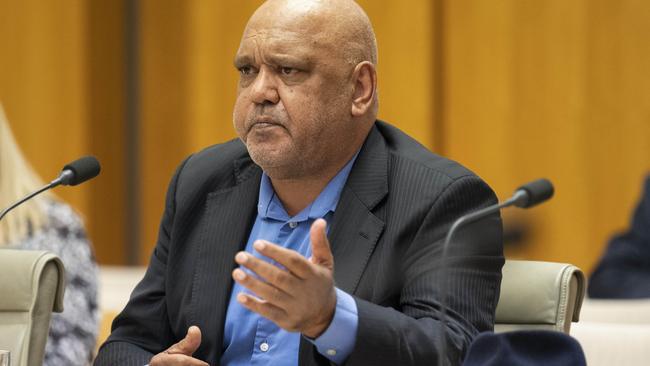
{"x":386,"y":238}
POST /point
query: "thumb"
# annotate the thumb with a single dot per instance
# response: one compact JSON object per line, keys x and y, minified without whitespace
{"x":320,"y":246}
{"x":188,"y":345}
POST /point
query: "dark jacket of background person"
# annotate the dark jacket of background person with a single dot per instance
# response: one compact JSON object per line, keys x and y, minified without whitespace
{"x":624,"y":270}
{"x":386,"y":236}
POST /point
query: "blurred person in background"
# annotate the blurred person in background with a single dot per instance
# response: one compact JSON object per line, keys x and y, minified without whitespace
{"x":624,"y":270}
{"x":46,"y":223}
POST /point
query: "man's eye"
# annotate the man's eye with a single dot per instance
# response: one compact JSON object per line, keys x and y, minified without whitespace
{"x":245,"y":70}
{"x":287,"y":70}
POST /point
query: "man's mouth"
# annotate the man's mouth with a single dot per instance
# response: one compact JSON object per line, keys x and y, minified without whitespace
{"x":265,"y":125}
{"x":261,"y":123}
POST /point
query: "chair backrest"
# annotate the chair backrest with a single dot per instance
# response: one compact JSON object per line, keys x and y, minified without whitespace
{"x":32,"y":284}
{"x":539,"y":295}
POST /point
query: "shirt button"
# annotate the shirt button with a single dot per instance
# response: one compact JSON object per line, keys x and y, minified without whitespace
{"x":293,"y":225}
{"x":264,"y":347}
{"x":331,"y":352}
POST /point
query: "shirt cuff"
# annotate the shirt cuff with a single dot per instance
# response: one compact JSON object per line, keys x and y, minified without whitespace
{"x":338,"y":340}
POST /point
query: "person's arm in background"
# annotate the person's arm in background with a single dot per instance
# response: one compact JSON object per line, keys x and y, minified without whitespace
{"x":624,"y":270}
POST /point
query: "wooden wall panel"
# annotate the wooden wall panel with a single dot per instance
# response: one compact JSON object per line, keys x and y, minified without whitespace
{"x":107,"y":128}
{"x":406,"y":37}
{"x":61,"y":85}
{"x":558,"y":89}
{"x":163,"y":109}
{"x":515,"y":89}
{"x":42,"y":84}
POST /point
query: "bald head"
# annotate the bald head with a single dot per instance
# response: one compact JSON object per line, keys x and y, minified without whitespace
{"x":307,"y":93}
{"x":340,"y":26}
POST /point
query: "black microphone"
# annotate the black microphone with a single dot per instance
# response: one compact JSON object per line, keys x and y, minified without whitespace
{"x":526,"y":196}
{"x":533,"y":193}
{"x":79,"y":171}
{"x":72,"y":174}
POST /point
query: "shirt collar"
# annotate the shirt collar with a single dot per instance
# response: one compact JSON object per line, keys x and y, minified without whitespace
{"x":269,"y":205}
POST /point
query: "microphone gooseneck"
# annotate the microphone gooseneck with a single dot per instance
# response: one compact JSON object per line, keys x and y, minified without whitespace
{"x":26,"y":198}
{"x":526,"y":196}
{"x":72,"y":174}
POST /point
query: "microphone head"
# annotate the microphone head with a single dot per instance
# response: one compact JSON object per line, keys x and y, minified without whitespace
{"x":534,"y":193}
{"x":81,"y":170}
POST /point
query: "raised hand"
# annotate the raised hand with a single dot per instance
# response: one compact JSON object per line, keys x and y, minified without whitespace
{"x":300,"y":298}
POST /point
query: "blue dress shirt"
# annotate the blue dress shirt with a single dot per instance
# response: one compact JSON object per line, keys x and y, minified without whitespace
{"x":250,"y":339}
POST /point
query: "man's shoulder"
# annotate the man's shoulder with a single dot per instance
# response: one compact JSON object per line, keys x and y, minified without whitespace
{"x":215,"y":167}
{"x":407,"y":154}
{"x":219,"y":154}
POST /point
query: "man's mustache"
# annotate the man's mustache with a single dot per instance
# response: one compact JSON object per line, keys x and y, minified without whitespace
{"x":265,"y":116}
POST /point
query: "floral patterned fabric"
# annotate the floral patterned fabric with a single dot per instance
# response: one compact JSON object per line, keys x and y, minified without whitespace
{"x":73,"y":333}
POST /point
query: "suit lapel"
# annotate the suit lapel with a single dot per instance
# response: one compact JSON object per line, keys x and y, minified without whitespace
{"x":355,"y":229}
{"x":229,"y":214}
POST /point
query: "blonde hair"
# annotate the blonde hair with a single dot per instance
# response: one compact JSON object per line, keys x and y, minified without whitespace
{"x":17,"y":179}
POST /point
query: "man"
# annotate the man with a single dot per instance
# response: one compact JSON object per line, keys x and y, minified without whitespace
{"x":316,"y":237}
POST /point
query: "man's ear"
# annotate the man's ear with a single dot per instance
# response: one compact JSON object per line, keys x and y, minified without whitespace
{"x":365,"y":88}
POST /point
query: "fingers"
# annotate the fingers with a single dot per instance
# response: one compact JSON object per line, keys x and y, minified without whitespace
{"x":181,"y":352}
{"x":262,"y":289}
{"x":264,"y":308}
{"x":320,"y":246}
{"x":188,"y":345}
{"x":290,"y":259}
{"x":299,"y":297}
{"x":279,"y":278}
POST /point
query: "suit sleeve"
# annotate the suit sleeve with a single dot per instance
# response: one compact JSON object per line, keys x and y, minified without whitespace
{"x":412,"y":332}
{"x":142,"y":329}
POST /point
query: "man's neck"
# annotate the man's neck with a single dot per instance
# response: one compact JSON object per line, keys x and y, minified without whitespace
{"x":298,"y":193}
{"x":295,"y":195}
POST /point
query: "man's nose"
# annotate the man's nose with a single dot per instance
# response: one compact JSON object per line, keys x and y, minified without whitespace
{"x":264,"y":89}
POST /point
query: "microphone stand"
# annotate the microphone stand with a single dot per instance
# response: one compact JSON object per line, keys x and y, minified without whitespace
{"x":462,"y":221}
{"x":65,"y":175}
{"x":525,"y":196}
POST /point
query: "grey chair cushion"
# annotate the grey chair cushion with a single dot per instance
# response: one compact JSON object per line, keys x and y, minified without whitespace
{"x":31,"y":287}
{"x":539,"y":295}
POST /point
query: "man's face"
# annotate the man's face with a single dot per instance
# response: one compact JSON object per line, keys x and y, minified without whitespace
{"x":294,"y":98}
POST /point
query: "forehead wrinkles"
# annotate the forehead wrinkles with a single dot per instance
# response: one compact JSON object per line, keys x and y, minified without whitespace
{"x":274,"y":38}
{"x":258,"y":42}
